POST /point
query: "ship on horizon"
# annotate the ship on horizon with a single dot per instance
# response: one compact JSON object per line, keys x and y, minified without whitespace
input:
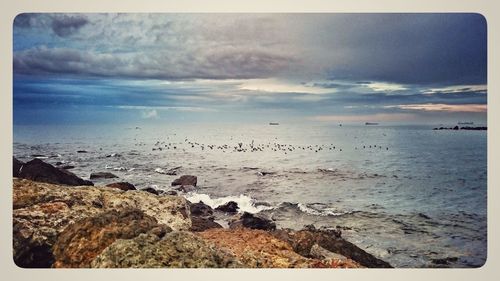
{"x":370,"y":123}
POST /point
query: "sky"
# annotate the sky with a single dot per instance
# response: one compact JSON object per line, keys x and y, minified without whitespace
{"x":313,"y":68}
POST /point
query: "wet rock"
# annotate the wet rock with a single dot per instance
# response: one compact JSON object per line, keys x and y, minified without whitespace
{"x":171,"y":192}
{"x":302,"y":242}
{"x":151,"y":190}
{"x":229,"y":207}
{"x":16,"y":166}
{"x":41,"y":211}
{"x":78,"y":244}
{"x":202,"y":224}
{"x":201,"y":209}
{"x":185,"y":180}
{"x":175,"y":249}
{"x":67,"y":167}
{"x":444,"y":261}
{"x":81,"y":151}
{"x":251,"y":221}
{"x":122,"y":185}
{"x":185,"y":188}
{"x":37,"y":170}
{"x":102,"y":175}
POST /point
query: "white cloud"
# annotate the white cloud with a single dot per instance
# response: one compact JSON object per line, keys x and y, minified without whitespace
{"x":150,"y":114}
{"x":442,"y":107}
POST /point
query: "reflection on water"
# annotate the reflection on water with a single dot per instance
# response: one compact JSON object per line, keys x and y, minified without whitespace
{"x":407,"y":194}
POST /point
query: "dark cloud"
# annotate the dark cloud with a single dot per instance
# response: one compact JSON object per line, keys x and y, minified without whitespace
{"x":206,"y":64}
{"x":65,"y":25}
{"x":23,"y":20}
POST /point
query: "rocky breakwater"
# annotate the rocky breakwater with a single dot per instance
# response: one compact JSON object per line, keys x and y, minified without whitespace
{"x":117,"y":226}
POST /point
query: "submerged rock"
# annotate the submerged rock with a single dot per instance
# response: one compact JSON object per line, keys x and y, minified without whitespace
{"x":41,"y":211}
{"x":251,"y":221}
{"x":102,"y":175}
{"x":175,"y":249}
{"x":185,"y":180}
{"x":229,"y":207}
{"x":78,"y":244}
{"x":122,"y":185}
{"x":37,"y":170}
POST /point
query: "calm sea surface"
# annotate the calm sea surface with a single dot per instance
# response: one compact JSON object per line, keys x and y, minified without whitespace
{"x":406,"y":194}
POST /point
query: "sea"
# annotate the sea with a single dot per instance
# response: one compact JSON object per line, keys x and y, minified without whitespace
{"x":410,"y":195}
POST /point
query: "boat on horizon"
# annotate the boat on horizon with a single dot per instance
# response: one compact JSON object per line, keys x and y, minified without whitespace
{"x":370,"y":123}
{"x":273,"y":123}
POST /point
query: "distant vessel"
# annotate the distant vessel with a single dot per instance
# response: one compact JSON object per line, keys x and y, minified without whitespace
{"x":370,"y":123}
{"x":465,"y":123}
{"x":273,"y":123}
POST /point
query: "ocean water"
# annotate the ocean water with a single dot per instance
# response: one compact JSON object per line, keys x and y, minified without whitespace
{"x":406,"y":194}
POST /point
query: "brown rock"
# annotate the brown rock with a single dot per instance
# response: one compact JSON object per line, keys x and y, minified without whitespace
{"x":82,"y":241}
{"x":122,"y":185}
{"x":251,"y":221}
{"x":176,"y":249}
{"x":202,"y":224}
{"x":229,"y":207}
{"x":37,"y":170}
{"x":185,"y":180}
{"x":102,"y":175}
{"x":303,"y":241}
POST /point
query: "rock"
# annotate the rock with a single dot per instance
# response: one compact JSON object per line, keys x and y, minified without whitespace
{"x":200,"y":209}
{"x":175,"y":249}
{"x":302,"y":242}
{"x":38,"y":170}
{"x":151,"y":190}
{"x":444,"y":261}
{"x":102,"y":175}
{"x":41,"y":211}
{"x":171,"y":192}
{"x":185,"y":188}
{"x":16,"y":166}
{"x":122,"y":185}
{"x":229,"y":207}
{"x":78,"y":244}
{"x":81,"y":151}
{"x":202,"y":224}
{"x":67,"y":167}
{"x":185,"y":180}
{"x":251,"y":221}
{"x":260,"y":249}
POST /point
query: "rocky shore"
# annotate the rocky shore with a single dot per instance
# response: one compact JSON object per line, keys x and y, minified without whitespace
{"x":73,"y":224}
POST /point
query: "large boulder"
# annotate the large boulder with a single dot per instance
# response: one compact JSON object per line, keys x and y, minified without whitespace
{"x":16,"y":167}
{"x":122,"y":186}
{"x":303,"y":242}
{"x":229,"y":207}
{"x":260,"y":249}
{"x":102,"y":175}
{"x":37,"y":170}
{"x":177,"y":249}
{"x":254,"y":222}
{"x":78,"y":244}
{"x":41,"y":211}
{"x":185,"y":180}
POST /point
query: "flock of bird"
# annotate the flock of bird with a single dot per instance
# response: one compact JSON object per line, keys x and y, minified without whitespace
{"x":252,"y":147}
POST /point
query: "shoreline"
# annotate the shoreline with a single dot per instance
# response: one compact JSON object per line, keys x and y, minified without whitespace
{"x":49,"y":219}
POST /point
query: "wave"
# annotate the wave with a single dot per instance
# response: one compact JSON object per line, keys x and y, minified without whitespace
{"x":315,"y":209}
{"x":245,"y":203}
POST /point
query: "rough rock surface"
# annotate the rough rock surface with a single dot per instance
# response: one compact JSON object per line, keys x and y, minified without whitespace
{"x":78,"y":244}
{"x":16,"y":166}
{"x":302,"y":242}
{"x":202,"y":217}
{"x":201,"y":209}
{"x":260,"y":249}
{"x":102,"y":175}
{"x":185,"y":180}
{"x":42,"y":211}
{"x":150,"y":190}
{"x":122,"y":185}
{"x":37,"y":170}
{"x":202,"y":224}
{"x":251,"y":221}
{"x":229,"y":207}
{"x":175,"y":249}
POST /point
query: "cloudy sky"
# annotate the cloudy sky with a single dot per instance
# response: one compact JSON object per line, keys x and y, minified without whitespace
{"x":349,"y":68}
